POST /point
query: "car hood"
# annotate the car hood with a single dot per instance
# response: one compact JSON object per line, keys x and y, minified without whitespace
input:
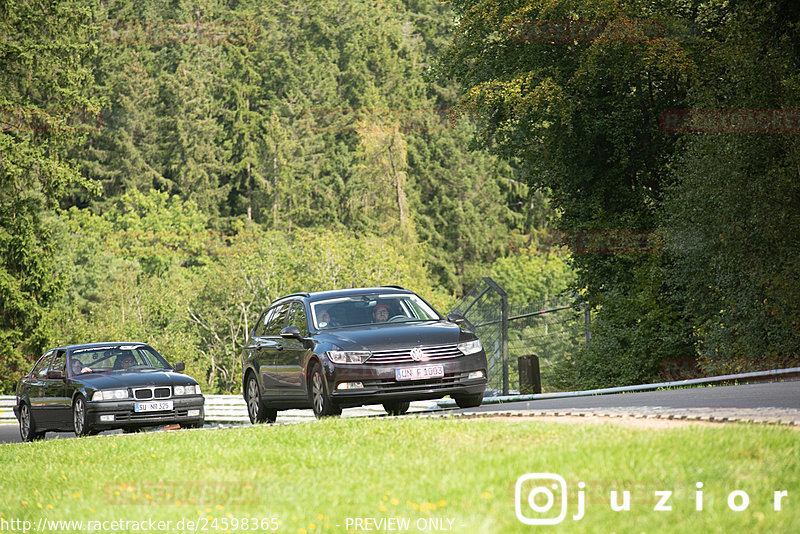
{"x":395,"y":335}
{"x":121,"y":379}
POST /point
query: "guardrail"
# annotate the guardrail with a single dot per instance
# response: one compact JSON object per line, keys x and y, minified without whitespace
{"x":226,"y":408}
{"x":219,"y":408}
{"x":7,"y":409}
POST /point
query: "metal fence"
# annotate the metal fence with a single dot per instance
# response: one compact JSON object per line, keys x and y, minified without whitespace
{"x":552,"y":330}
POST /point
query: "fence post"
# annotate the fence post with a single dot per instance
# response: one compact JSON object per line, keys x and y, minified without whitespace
{"x":587,"y":319}
{"x":503,"y":328}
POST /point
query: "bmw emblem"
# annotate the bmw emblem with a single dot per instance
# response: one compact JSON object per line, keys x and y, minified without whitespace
{"x":417,"y":355}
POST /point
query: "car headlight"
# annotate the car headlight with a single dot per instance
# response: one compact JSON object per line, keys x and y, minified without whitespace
{"x":349,"y":356}
{"x":470,"y":347}
{"x":187,"y":390}
{"x":110,"y":394}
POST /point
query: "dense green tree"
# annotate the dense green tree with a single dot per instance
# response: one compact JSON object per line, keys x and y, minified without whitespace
{"x":149,"y":269}
{"x":44,"y":54}
{"x":571,"y":92}
{"x":530,"y":276}
{"x":309,"y":126}
{"x":732,"y":213}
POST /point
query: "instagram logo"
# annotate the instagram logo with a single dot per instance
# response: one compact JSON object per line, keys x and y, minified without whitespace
{"x":534,"y":498}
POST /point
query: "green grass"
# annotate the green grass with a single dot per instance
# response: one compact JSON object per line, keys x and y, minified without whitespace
{"x":312,"y":477}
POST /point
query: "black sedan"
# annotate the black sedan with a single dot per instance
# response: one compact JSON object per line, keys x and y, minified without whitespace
{"x":102,"y":386}
{"x":337,"y":349}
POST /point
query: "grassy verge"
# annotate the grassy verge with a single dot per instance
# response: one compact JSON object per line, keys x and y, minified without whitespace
{"x":436,"y":474}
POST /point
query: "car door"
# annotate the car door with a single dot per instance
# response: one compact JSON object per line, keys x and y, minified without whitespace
{"x":255,"y":355}
{"x":36,"y":389}
{"x":289,"y":358}
{"x":270,"y":343}
{"x":56,"y":404}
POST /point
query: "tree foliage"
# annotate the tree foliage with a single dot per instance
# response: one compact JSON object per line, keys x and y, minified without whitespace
{"x":574,"y":93}
{"x":736,"y":198}
{"x":151,"y":269}
{"x":43,"y":54}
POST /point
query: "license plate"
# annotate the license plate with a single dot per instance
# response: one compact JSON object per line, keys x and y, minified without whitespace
{"x":419,"y":373}
{"x":159,"y":406}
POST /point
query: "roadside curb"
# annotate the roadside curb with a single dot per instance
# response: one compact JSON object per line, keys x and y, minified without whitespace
{"x":531,"y":414}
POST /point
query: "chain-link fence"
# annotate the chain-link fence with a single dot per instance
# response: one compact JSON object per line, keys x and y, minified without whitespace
{"x":551,"y":329}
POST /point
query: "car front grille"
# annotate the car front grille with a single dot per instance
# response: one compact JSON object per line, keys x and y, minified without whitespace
{"x":440,"y":352}
{"x":393,"y":386}
{"x":152,"y":393}
{"x":143,"y":416}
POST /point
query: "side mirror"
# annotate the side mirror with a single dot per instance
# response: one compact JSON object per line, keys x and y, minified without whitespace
{"x":291,"y":332}
{"x":55,"y":374}
{"x":456,"y":318}
{"x":179,"y":367}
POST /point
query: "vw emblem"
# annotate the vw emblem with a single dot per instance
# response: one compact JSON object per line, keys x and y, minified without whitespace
{"x":417,"y":355}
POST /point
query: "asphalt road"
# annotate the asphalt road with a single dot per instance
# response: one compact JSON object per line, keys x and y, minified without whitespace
{"x":749,"y":396}
{"x":766,"y":398}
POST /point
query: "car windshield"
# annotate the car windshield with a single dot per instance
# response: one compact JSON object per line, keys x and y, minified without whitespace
{"x":371,"y":309}
{"x":115,"y":358}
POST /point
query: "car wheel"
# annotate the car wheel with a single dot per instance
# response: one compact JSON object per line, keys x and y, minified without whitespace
{"x":396,"y":408}
{"x":257,"y":411}
{"x":321,"y":402}
{"x":469,"y":401}
{"x":79,"y":417}
{"x":27,"y":427}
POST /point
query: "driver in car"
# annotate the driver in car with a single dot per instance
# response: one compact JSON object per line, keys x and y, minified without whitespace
{"x":78,"y":368}
{"x":126,"y":361}
{"x":380,"y":313}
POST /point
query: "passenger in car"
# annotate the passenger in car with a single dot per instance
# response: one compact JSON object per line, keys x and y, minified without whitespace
{"x":325,"y":319}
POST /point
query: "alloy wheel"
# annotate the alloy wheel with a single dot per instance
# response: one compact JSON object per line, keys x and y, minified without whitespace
{"x":253,"y":401}
{"x":79,"y":416}
{"x":317,"y":392}
{"x":25,"y":426}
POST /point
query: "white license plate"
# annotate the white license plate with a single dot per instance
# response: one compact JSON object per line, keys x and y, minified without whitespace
{"x":154,"y":406}
{"x":419,"y":373}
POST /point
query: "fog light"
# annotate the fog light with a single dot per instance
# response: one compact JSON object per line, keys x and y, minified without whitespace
{"x":107,"y":418}
{"x":350,"y":385}
{"x":193,"y":413}
{"x":475,"y":374}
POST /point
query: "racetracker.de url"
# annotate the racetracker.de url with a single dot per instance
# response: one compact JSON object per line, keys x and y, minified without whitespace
{"x":201,"y":524}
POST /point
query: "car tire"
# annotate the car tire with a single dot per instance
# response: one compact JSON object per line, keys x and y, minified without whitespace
{"x":321,"y":401}
{"x":79,"y":424}
{"x":396,"y":408}
{"x":257,"y":410}
{"x":27,"y":426}
{"x":469,"y":401}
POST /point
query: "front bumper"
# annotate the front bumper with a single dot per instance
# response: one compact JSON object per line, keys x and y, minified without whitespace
{"x":380,"y":383}
{"x":125,"y":416}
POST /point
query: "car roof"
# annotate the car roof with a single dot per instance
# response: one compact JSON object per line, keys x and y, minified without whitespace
{"x":98,"y":345}
{"x":355,"y":291}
